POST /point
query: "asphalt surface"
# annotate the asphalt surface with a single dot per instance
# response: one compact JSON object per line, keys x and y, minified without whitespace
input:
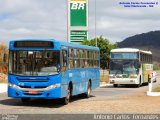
{"x":38,"y":106}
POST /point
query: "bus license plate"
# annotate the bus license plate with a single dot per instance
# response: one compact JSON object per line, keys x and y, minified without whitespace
{"x":32,"y":92}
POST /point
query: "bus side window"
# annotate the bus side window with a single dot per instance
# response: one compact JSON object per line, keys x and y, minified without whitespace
{"x":64,"y":60}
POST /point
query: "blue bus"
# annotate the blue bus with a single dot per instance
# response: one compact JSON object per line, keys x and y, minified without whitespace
{"x":51,"y":69}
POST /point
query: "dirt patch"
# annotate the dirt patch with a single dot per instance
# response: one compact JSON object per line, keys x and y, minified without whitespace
{"x":3,"y":78}
{"x":135,"y":103}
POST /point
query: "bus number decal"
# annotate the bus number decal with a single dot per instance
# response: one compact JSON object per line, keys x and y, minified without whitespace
{"x":70,"y":74}
{"x":82,"y":74}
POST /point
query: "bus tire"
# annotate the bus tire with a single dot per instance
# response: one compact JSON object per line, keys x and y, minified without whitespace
{"x":89,"y":89}
{"x":139,"y":85}
{"x":149,"y":79}
{"x":115,"y":85}
{"x":66,"y":99}
{"x":25,"y":100}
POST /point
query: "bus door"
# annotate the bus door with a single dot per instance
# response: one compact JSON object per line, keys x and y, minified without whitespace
{"x":64,"y":59}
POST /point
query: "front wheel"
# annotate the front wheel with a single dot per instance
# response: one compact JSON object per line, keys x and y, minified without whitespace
{"x":89,"y":89}
{"x":139,"y":85}
{"x":68,"y":96}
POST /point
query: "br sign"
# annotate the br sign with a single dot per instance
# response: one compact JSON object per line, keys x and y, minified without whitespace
{"x":78,"y":6}
{"x":77,"y":20}
{"x":78,"y":13}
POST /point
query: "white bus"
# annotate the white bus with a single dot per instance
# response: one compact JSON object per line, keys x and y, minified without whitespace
{"x":130,"y":66}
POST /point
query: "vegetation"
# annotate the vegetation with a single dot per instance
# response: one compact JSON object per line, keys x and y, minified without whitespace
{"x":3,"y":58}
{"x":105,"y":47}
{"x":104,"y":78}
{"x":156,"y":89}
{"x":156,"y":67}
{"x":144,"y":39}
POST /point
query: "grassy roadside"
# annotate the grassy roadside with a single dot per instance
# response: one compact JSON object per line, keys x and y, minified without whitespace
{"x":156,"y":89}
{"x":158,"y":71}
{"x":104,"y":78}
{"x":3,"y":81}
{"x":3,"y":78}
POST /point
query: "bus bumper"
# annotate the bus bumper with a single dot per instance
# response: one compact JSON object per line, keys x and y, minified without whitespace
{"x":124,"y":81}
{"x":18,"y":93}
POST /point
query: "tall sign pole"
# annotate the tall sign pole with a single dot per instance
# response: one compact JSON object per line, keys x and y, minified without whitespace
{"x":77,"y":20}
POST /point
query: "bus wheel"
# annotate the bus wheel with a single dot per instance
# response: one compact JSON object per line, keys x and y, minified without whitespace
{"x":115,"y":85}
{"x":139,"y":85}
{"x":89,"y":89}
{"x":25,"y":100}
{"x":68,"y":96}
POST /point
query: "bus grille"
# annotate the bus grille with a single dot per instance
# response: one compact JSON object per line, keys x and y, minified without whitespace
{"x":25,"y":86}
{"x":36,"y":87}
{"x":33,"y":94}
{"x":32,"y":80}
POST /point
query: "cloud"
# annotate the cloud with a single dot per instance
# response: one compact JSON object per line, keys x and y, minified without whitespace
{"x":21,"y":19}
{"x":116,"y":22}
{"x":33,"y":19}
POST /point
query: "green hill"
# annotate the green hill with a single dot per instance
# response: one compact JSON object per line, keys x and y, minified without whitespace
{"x":145,"y":41}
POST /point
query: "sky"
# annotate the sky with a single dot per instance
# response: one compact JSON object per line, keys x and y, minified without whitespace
{"x":22,"y":19}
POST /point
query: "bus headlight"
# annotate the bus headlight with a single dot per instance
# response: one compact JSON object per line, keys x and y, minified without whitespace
{"x":133,"y":76}
{"x":52,"y":86}
{"x":13,"y":85}
{"x":119,"y":76}
{"x":111,"y":76}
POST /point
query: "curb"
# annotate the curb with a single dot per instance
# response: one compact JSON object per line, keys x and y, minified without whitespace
{"x":153,"y":93}
{"x":3,"y":88}
{"x":106,"y":85}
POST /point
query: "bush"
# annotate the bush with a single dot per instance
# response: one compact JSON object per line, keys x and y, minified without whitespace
{"x":156,"y":67}
{"x":4,"y":69}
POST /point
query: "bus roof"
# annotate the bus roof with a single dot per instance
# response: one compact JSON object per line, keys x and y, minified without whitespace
{"x":130,"y":50}
{"x":60,"y":43}
{"x":74,"y":45}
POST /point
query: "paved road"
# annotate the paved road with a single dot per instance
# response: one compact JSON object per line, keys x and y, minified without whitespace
{"x":14,"y":106}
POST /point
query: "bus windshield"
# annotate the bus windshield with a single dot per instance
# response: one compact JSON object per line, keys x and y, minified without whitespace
{"x":124,"y":55}
{"x":123,"y":66}
{"x":34,"y":63}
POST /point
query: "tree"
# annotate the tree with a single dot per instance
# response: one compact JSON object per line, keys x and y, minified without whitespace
{"x":3,"y":53}
{"x":105,"y":47}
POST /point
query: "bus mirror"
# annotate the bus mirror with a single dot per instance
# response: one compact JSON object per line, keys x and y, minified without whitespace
{"x":139,"y":65}
{"x":58,"y":68}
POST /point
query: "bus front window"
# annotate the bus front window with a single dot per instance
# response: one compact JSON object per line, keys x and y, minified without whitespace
{"x":123,"y":67}
{"x":116,"y":67}
{"x":34,"y":63}
{"x":129,"y":67}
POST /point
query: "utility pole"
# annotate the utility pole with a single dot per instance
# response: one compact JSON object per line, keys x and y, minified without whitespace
{"x":96,"y":21}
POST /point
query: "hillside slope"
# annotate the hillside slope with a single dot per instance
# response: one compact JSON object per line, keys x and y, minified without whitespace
{"x":145,"y":41}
